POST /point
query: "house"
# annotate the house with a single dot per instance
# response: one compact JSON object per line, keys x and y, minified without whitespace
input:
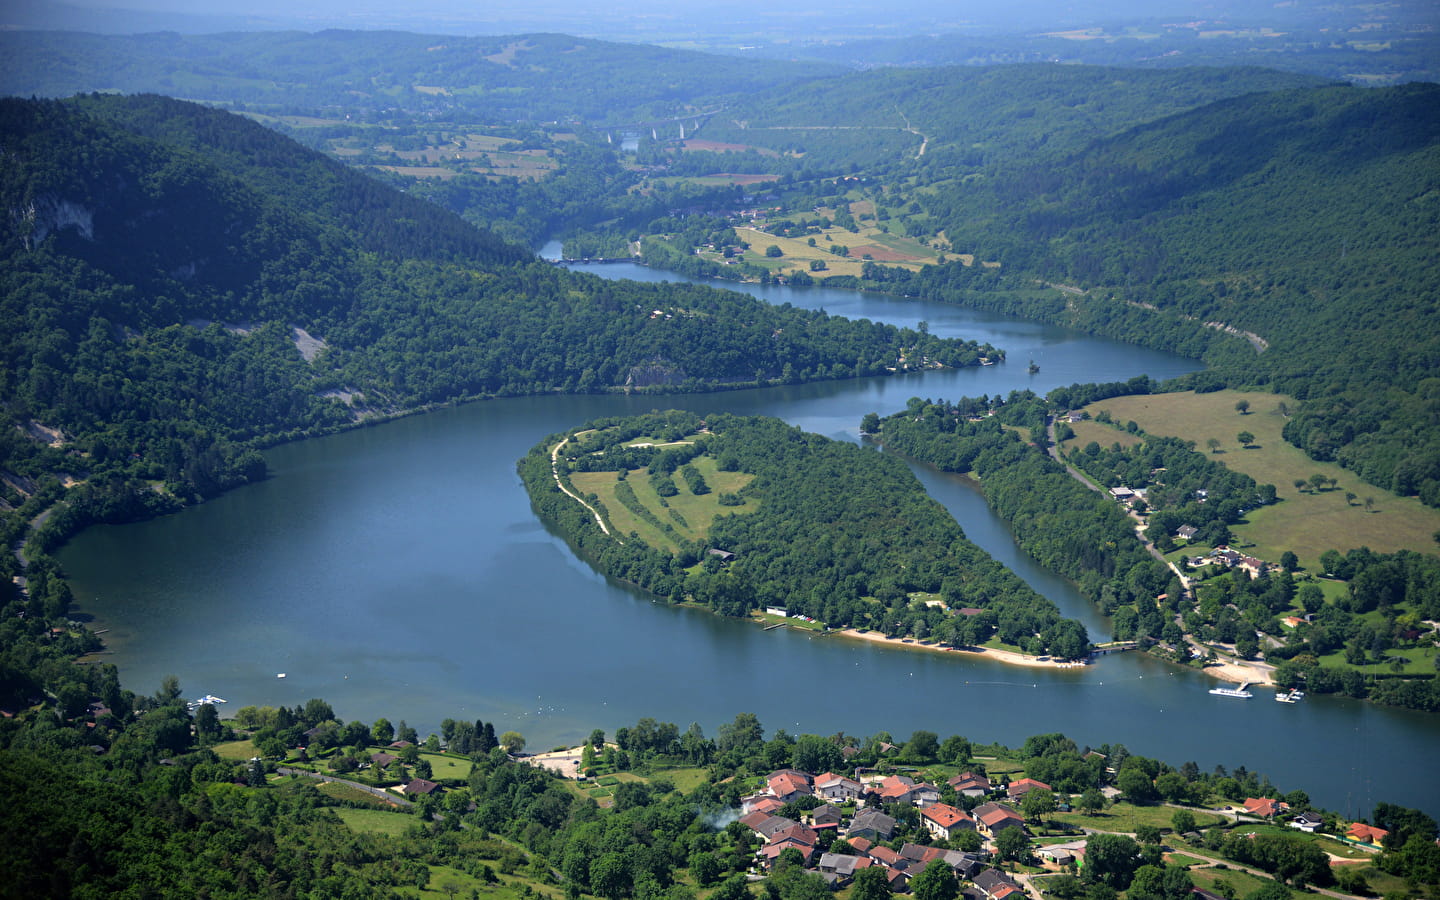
{"x":765,"y":824}
{"x":1366,"y":834}
{"x":1123,"y":494}
{"x":382,"y":760}
{"x":771,"y":851}
{"x":419,"y":786}
{"x":1019,"y":789}
{"x":970,"y":785}
{"x":995,"y":884}
{"x":1187,"y":532}
{"x":765,"y":803}
{"x":1308,"y":822}
{"x":872,"y":824}
{"x":826,"y":816}
{"x":400,"y":745}
{"x":903,"y":789}
{"x":1265,"y":807}
{"x":943,"y":820}
{"x":919,"y":857}
{"x":1058,"y":855}
{"x":787,"y":786}
{"x":842,"y":866}
{"x":796,"y":832}
{"x":966,"y":865}
{"x":838,"y":788}
{"x":724,"y":556}
{"x":994,"y":818}
{"x":887,"y":857}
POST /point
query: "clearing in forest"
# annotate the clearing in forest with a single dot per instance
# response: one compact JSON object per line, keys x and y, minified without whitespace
{"x":1307,"y":522}
{"x":667,"y":523}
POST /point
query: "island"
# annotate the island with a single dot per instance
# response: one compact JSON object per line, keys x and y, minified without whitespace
{"x":749,"y":516}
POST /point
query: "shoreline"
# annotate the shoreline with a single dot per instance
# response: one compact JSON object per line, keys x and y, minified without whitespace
{"x":1009,"y":657}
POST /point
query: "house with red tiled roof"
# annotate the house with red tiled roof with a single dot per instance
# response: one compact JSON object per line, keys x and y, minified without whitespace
{"x":838,"y":788}
{"x":1366,"y":834}
{"x":765,"y":803}
{"x":994,"y":818}
{"x":943,"y":820}
{"x":1019,"y":789}
{"x":788,"y":786}
{"x":1265,"y":806}
{"x":970,"y":785}
{"x":886,"y":856}
{"x":771,"y":851}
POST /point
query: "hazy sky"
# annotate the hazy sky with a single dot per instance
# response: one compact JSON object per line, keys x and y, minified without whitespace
{"x":736,"y":17}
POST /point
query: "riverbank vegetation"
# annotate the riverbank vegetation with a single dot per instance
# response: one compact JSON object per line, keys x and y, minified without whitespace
{"x":822,"y":528}
{"x":1377,"y":621}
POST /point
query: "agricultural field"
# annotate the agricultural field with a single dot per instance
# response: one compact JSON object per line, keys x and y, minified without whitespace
{"x":1125,"y":816}
{"x":688,"y":516}
{"x":236,"y":750}
{"x":1307,"y":522}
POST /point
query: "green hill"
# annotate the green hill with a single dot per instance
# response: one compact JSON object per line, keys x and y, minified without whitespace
{"x":1310,"y":218}
{"x":181,"y":286}
{"x":529,"y":77}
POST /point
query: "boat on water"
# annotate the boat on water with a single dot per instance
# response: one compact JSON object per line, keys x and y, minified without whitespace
{"x":1289,"y":696}
{"x":1233,"y":692}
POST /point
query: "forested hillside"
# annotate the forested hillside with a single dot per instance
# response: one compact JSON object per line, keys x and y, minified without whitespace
{"x":182,"y":286}
{"x":529,"y":77}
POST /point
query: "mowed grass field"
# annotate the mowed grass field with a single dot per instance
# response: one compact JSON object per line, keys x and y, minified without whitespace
{"x":376,"y":821}
{"x":698,"y":513}
{"x":1305,"y":522}
{"x":889,"y":249}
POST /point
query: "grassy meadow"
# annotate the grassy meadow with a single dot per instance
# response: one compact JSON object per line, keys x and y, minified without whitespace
{"x":376,"y":821}
{"x":1306,"y":522}
{"x":695,"y":513}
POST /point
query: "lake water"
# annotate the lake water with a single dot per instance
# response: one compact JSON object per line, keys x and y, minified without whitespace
{"x":399,"y":571}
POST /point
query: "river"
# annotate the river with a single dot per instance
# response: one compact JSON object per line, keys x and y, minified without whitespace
{"x":399,"y":571}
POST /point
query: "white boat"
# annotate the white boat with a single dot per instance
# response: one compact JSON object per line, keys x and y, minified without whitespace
{"x":1233,"y":692}
{"x":1289,"y":696}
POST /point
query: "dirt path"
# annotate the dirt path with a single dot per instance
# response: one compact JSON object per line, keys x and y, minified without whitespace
{"x":555,"y":471}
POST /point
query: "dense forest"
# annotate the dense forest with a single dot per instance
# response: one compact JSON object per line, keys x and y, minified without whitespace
{"x":201,"y":287}
{"x":835,"y":532}
{"x":1089,"y":539}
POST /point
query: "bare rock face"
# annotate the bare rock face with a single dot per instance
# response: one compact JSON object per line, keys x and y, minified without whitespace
{"x":49,"y":214}
{"x":655,"y":372}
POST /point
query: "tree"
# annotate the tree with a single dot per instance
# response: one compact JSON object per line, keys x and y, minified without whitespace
{"x":1147,"y":834}
{"x":1183,"y":821}
{"x":937,"y":881}
{"x":1012,"y":844}
{"x":870,"y":424}
{"x":1369,"y":504}
{"x":1092,"y":801}
{"x":1037,"y":804}
{"x":869,"y":884}
{"x":1213,"y":444}
{"x":513,"y":742}
{"x":923,"y":746}
{"x":1272,"y":891}
{"x":733,"y":888}
{"x":1318,"y":481}
{"x":382,"y":731}
{"x":1136,"y":786}
{"x":609,"y":876}
{"x":1242,"y":406}
{"x":704,"y":867}
{"x":1245,"y":438}
{"x":207,"y":723}
{"x":1160,"y":883}
{"x":1246,"y":645}
{"x":1349,"y":498}
{"x":955,"y":750}
{"x":1289,"y":561}
{"x":169,"y":690}
{"x":1111,"y":859}
{"x":773,"y":251}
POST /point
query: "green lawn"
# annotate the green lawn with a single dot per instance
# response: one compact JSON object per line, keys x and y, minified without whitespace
{"x":1327,"y":843}
{"x":351,"y":793}
{"x":1305,"y":522}
{"x":446,"y":768}
{"x":236,"y":750}
{"x":1126,"y":816}
{"x":1244,"y":883}
{"x":376,"y":821}
{"x":447,"y":883}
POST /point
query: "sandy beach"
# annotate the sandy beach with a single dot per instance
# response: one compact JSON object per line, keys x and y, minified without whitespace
{"x":1009,"y":657}
{"x":1254,"y":673}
